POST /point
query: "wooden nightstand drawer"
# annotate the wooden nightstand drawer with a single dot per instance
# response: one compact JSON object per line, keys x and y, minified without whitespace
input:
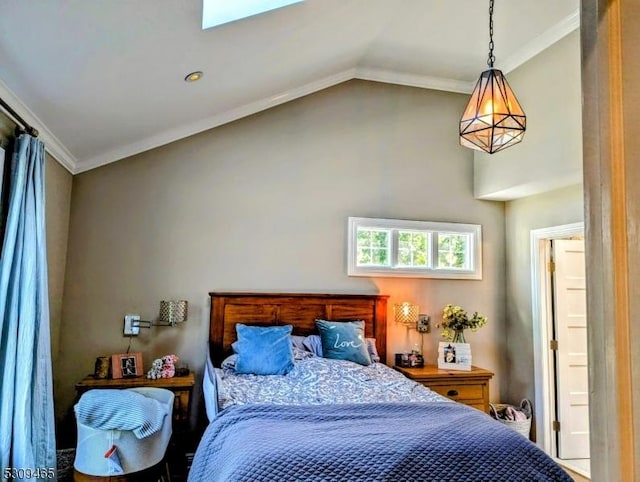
{"x":468,"y":387}
{"x":459,"y":392}
{"x":479,"y":406}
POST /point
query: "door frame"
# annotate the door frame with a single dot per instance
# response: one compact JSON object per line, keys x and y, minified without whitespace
{"x":541,"y":308}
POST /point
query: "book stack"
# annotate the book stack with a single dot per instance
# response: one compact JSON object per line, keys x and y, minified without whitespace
{"x":454,"y":356}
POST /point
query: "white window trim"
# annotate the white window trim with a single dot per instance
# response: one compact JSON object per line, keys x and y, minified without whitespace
{"x":475,"y":230}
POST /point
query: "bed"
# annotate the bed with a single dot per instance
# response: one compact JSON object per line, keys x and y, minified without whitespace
{"x":333,"y":419}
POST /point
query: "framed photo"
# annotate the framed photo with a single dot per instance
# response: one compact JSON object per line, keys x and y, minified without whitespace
{"x":449,"y":354}
{"x":454,"y":356}
{"x":125,"y":365}
{"x":409,"y":360}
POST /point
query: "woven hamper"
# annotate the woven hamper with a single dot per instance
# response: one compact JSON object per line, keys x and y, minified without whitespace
{"x":523,"y":427}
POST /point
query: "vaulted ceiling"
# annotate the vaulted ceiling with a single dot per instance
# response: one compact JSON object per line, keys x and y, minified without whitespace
{"x":103,"y":80}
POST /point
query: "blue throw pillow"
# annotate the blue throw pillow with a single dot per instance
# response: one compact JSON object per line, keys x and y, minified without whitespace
{"x":344,"y":340}
{"x":263,"y":350}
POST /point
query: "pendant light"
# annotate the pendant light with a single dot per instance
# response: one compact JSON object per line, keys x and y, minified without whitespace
{"x":493,"y":119}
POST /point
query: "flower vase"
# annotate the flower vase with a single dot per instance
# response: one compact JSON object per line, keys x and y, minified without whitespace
{"x":458,"y":337}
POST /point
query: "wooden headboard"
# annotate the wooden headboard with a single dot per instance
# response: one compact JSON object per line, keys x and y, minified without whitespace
{"x":297,"y":309}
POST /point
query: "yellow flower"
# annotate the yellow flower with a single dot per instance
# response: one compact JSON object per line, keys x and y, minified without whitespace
{"x":454,"y":318}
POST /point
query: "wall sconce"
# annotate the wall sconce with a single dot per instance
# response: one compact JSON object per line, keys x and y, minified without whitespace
{"x":171,"y":313}
{"x":408,"y":314}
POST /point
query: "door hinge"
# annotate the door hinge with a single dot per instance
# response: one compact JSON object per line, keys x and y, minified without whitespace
{"x":551,"y":267}
{"x":553,"y":344}
{"x":556,"y":426}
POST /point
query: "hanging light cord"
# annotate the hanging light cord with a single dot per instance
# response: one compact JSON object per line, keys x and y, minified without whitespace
{"x":491,"y":58}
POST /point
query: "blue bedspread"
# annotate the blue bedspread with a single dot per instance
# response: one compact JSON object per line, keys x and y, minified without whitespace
{"x":367,"y":442}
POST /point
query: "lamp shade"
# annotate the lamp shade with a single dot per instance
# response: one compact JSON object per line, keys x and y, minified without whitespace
{"x":493,"y":119}
{"x":174,"y":311}
{"x":406,"y":313}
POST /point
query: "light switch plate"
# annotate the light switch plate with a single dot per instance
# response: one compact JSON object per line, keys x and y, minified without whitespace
{"x":424,"y":324}
{"x":129,"y":328}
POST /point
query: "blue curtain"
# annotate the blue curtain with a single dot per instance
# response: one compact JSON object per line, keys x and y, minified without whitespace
{"x":27,"y":438}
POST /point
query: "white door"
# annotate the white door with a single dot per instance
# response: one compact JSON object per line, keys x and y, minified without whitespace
{"x":571,"y":355}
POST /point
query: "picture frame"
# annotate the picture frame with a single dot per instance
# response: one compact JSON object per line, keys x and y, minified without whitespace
{"x":409,"y":360}
{"x":454,"y":356}
{"x":126,"y":365}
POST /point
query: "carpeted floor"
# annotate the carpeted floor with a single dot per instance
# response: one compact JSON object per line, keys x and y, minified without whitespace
{"x":65,"y":459}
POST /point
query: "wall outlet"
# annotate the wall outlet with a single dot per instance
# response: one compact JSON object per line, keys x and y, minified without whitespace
{"x":129,"y":328}
{"x":424,"y":324}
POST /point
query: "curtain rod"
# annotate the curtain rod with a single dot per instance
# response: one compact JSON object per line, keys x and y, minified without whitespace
{"x":32,"y":131}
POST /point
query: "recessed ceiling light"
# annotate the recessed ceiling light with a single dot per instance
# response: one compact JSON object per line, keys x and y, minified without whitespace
{"x":193,"y":76}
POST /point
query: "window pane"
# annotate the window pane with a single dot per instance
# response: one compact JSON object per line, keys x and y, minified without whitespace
{"x":444,"y":242}
{"x":380,"y":257}
{"x":413,"y":249}
{"x":380,"y":238}
{"x":420,"y":259}
{"x":364,"y":238}
{"x":364,"y":256}
{"x":453,"y":250}
{"x":404,"y":257}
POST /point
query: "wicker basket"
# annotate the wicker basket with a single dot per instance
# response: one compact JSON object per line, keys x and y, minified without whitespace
{"x":523,"y":427}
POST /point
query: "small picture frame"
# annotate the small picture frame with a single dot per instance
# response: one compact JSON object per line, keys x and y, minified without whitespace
{"x":454,"y":356}
{"x":409,"y":360}
{"x":449,"y":354}
{"x":126,"y":365}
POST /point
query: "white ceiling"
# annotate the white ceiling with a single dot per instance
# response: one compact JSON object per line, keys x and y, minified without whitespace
{"x":103,"y":80}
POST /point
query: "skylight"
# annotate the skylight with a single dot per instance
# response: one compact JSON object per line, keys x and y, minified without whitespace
{"x":218,"y":12}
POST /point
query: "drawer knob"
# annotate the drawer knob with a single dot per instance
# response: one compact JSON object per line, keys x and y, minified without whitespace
{"x":452,"y":393}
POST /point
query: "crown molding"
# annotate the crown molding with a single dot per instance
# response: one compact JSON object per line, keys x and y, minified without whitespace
{"x":413,"y":80}
{"x":181,"y":132}
{"x":51,"y":143}
{"x":543,"y":41}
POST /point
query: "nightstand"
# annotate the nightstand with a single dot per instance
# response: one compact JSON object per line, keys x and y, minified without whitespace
{"x":468,"y":387}
{"x":182,"y":387}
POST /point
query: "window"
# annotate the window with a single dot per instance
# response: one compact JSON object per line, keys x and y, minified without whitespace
{"x":219,"y":12}
{"x":417,"y":249}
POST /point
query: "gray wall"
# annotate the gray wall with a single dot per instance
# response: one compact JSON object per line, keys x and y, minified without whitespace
{"x":58,"y":205}
{"x":550,"y":156}
{"x":555,"y":208}
{"x":262,"y":204}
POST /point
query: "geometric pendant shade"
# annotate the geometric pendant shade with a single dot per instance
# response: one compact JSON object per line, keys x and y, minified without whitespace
{"x":493,"y":119}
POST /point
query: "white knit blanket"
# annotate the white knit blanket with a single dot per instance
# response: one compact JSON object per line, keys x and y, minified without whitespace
{"x":120,"y":410}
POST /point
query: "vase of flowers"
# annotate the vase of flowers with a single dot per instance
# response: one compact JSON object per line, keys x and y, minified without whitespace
{"x":458,"y":336}
{"x":455,"y":320}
